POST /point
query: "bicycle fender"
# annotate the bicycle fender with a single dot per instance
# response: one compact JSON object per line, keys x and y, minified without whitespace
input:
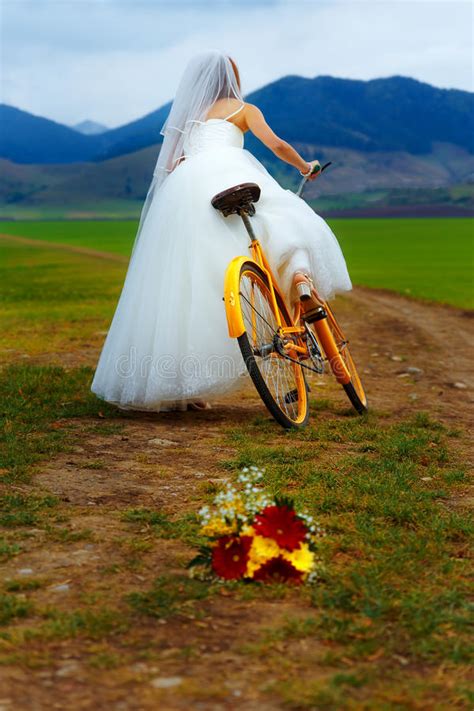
{"x":235,"y":322}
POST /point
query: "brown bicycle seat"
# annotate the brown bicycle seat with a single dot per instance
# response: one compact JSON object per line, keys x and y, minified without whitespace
{"x":239,"y":198}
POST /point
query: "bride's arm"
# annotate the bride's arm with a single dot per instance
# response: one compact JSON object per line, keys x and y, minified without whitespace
{"x":256,"y":123}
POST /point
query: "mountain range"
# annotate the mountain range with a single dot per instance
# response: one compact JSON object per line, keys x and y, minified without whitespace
{"x":385,"y":133}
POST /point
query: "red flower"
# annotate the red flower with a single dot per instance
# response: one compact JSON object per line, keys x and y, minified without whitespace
{"x":278,"y":570}
{"x":230,"y":556}
{"x":282,"y":524}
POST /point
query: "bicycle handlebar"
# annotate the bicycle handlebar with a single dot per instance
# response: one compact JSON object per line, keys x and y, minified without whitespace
{"x":316,"y":169}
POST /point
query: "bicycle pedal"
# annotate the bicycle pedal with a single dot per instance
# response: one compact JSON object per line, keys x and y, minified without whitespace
{"x":314,"y":315}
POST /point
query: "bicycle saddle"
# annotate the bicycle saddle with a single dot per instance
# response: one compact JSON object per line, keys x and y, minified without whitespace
{"x":237,"y":199}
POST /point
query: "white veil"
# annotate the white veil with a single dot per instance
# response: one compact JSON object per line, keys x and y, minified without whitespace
{"x":209,"y":76}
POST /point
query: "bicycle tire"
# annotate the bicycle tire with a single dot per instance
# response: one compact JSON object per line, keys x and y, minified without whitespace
{"x":354,"y":388}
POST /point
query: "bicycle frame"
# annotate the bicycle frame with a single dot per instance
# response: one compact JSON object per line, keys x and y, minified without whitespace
{"x":231,"y":287}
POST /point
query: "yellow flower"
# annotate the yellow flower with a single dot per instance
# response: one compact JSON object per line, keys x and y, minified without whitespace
{"x":301,"y":558}
{"x":261,"y":550}
{"x":217,"y":527}
{"x":248,"y":530}
{"x":236,"y":505}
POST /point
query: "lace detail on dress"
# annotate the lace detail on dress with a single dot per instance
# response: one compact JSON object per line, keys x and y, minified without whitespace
{"x":211,"y":134}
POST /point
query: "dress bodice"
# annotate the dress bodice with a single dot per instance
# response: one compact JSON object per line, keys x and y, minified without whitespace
{"x":214,"y":132}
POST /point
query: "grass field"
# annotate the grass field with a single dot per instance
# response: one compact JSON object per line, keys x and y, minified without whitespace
{"x":54,"y":297}
{"x":427,"y":258}
{"x":105,"y":521}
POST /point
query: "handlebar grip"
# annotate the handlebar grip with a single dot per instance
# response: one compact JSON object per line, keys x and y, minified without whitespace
{"x":317,"y":169}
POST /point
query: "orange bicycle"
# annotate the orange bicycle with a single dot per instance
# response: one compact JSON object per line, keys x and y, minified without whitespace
{"x":279,"y":347}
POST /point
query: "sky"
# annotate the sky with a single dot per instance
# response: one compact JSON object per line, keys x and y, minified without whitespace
{"x":113,"y":61}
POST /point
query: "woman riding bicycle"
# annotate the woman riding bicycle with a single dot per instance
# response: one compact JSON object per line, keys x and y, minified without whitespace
{"x":168,"y":346}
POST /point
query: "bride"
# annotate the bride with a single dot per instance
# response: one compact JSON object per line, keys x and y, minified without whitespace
{"x":168,"y":347}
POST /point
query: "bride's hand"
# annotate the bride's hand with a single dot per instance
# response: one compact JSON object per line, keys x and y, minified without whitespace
{"x":313,"y":164}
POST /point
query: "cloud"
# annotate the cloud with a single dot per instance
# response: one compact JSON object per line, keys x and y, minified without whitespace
{"x":114,"y":60}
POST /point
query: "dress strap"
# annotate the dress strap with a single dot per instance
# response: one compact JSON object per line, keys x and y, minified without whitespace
{"x":234,"y":113}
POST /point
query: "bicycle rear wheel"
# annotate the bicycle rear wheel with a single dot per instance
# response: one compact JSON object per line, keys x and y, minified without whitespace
{"x":279,"y":381}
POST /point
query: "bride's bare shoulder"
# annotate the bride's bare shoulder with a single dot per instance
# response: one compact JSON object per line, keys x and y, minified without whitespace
{"x":223,"y":107}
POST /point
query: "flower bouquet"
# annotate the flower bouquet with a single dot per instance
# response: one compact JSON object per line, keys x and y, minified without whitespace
{"x":253,"y":536}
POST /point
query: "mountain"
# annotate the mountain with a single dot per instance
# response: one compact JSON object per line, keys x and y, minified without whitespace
{"x":133,"y":136}
{"x":90,"y":128}
{"x":394,"y":114}
{"x":391,"y":114}
{"x":25,"y":138}
{"x":391,"y":141}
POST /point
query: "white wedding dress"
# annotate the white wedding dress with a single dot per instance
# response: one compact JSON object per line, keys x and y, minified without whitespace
{"x":168,"y":342}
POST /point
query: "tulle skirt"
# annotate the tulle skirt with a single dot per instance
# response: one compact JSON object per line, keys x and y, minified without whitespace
{"x":168,"y":342}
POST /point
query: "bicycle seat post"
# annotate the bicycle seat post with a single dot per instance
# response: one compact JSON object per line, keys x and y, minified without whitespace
{"x":248,"y":225}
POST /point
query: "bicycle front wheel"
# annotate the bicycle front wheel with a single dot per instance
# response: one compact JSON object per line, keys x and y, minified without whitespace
{"x":279,"y":380}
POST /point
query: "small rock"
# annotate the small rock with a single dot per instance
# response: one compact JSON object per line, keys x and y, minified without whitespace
{"x":25,"y":571}
{"x":142,"y":668}
{"x":396,"y":358}
{"x":460,"y":385}
{"x":163,"y":442}
{"x":68,"y":669}
{"x":403,"y":375}
{"x":426,"y":478}
{"x":166,"y":682}
{"x":412,"y":370}
{"x":403,"y":660}
{"x":375,"y":355}
{"x":64,"y":587}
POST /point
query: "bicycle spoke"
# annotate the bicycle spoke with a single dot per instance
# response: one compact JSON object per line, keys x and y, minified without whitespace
{"x":261,"y":327}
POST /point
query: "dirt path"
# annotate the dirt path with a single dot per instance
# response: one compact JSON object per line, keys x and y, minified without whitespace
{"x":66,"y":247}
{"x":413,"y":357}
{"x":392,"y":334}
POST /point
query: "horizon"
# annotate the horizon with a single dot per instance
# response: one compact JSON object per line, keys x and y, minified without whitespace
{"x":92,"y":119}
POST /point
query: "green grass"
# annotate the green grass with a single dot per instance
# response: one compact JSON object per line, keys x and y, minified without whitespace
{"x":104,"y":235}
{"x":395,"y":581}
{"x":112,"y":209}
{"x":38,"y":404}
{"x":54,"y":300}
{"x":13,"y":607}
{"x":20,"y":510}
{"x":168,"y":597}
{"x":426,"y":258}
